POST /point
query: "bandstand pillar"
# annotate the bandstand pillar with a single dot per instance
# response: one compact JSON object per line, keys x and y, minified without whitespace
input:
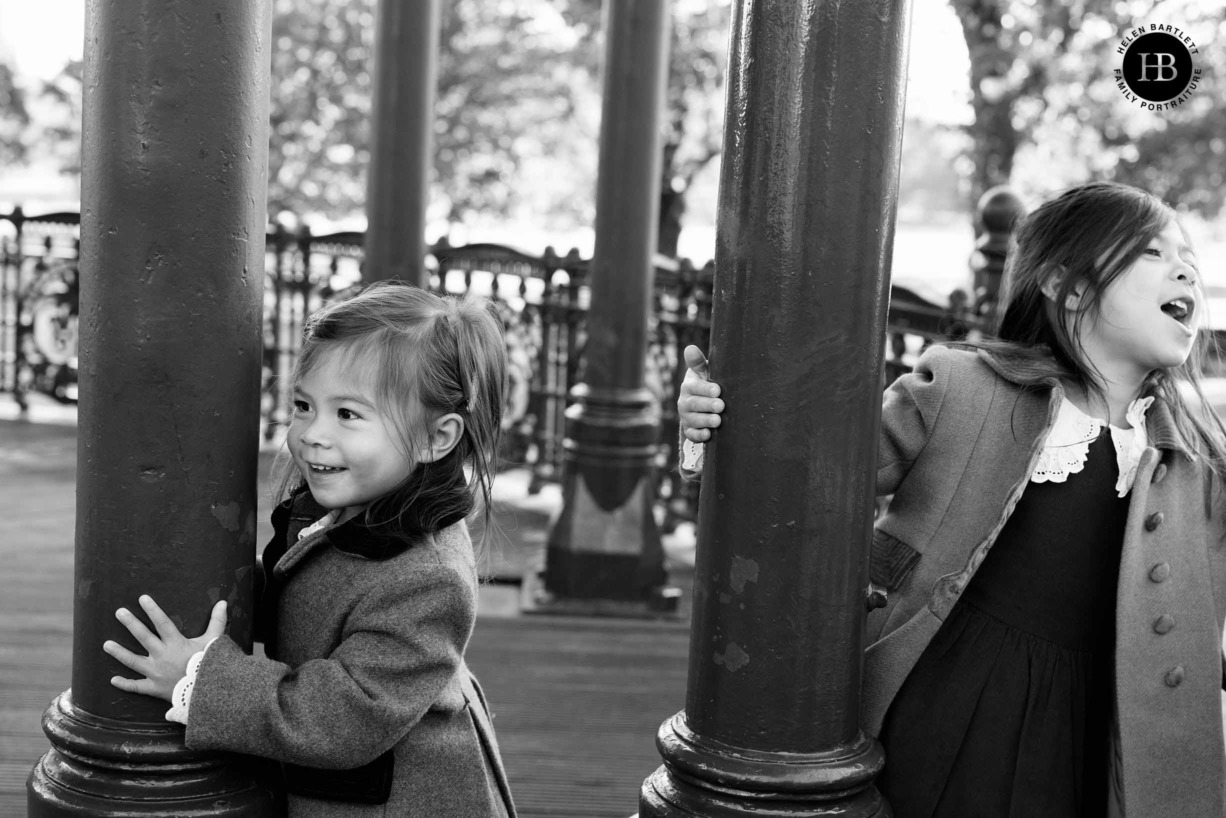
{"x":175,"y":157}
{"x":604,"y":548}
{"x":402,"y":120}
{"x":808,"y":191}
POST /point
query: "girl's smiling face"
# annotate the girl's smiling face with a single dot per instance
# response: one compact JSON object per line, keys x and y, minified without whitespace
{"x":1147,"y":318}
{"x":347,"y":449}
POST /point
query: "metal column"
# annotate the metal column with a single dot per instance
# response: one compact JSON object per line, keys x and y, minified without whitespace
{"x":605,"y":544}
{"x":175,"y":156}
{"x":806,"y":218}
{"x":402,"y":120}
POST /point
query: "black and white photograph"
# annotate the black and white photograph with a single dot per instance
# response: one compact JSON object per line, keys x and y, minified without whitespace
{"x":613,"y":408}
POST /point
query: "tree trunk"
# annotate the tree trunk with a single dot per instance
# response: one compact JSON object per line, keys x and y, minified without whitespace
{"x":672,"y":209}
{"x":994,"y":139}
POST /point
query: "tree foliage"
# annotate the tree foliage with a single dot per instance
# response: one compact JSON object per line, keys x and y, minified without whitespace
{"x":1044,"y":96}
{"x":694,"y":111}
{"x":14,"y":118}
{"x":509,"y":90}
{"x":1016,"y":48}
{"x":694,"y":96}
{"x":518,"y":106}
{"x":320,"y":106}
{"x":60,"y":120}
{"x":517,"y":114}
{"x":1181,"y":156}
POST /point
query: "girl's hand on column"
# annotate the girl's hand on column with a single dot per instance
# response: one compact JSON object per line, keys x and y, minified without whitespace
{"x":699,"y":405}
{"x":169,"y":651}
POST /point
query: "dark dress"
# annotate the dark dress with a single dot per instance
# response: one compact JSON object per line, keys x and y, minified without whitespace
{"x":1008,"y":710}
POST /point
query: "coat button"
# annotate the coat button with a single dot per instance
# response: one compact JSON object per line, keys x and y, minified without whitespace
{"x":1160,"y":572}
{"x":1153,"y":521}
{"x":1174,"y":676}
{"x":1164,"y":624}
{"x":1159,"y":473}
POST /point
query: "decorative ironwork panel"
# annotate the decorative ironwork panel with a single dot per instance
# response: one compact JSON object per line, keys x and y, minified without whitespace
{"x":543,"y":302}
{"x":39,"y":305}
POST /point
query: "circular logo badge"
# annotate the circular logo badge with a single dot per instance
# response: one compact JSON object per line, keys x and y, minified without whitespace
{"x":1157,"y":67}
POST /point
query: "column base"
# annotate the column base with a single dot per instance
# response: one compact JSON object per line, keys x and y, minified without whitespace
{"x":665,"y":795}
{"x":660,"y":602}
{"x":705,"y":778}
{"x":100,"y":767}
{"x":593,"y":552}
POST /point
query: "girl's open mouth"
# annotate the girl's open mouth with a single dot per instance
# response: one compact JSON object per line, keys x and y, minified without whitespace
{"x":324,"y":469}
{"x":1181,"y":309}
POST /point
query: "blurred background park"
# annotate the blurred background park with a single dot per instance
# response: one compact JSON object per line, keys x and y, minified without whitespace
{"x":1019,"y":92}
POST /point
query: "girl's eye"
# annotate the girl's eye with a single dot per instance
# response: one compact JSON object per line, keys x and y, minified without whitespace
{"x":301,"y":406}
{"x":1153,"y":251}
{"x":347,"y":414}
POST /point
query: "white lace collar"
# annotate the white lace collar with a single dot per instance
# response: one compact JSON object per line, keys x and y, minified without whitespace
{"x":1068,"y":444}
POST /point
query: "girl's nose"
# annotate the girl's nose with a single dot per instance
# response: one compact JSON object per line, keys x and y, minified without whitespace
{"x":1185,"y":272}
{"x":313,"y":434}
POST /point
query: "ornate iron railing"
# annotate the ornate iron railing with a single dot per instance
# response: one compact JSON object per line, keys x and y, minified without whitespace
{"x":543,"y":301}
{"x":39,"y":305}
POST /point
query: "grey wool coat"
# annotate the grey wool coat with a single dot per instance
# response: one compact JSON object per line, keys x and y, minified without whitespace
{"x":365,"y":656}
{"x":960,"y":437}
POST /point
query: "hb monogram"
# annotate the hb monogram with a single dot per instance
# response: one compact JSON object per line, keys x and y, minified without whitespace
{"x":1162,"y":63}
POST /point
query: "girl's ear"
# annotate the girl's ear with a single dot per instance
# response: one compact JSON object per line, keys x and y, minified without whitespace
{"x":1051,"y":289}
{"x":445,"y":434}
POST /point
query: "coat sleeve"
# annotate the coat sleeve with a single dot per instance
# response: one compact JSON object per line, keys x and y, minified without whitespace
{"x":909,"y":413}
{"x":400,"y":648}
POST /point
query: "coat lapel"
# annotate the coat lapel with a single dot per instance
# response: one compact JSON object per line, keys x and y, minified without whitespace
{"x":299,"y":550}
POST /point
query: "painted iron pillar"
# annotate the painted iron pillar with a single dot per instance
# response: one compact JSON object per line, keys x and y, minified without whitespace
{"x":604,"y":547}
{"x":808,"y":191}
{"x":175,"y":158}
{"x":402,"y":121}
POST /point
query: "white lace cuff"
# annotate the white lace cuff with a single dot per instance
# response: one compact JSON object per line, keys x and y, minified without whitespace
{"x":691,"y":455}
{"x":181,"y":698}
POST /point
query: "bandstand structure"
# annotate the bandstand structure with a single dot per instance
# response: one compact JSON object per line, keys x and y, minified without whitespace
{"x":171,"y":332}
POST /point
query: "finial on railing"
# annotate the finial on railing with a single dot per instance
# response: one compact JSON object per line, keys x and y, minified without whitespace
{"x":995,"y":215}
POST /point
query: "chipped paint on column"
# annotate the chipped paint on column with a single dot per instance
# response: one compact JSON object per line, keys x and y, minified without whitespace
{"x":733,"y":657}
{"x":807,"y":196}
{"x":808,"y":187}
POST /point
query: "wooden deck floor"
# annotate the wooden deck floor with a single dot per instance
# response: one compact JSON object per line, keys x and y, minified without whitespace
{"x":577,"y":701}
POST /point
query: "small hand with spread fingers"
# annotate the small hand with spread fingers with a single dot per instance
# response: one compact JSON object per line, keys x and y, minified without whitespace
{"x":169,"y":651}
{"x":698,"y":405}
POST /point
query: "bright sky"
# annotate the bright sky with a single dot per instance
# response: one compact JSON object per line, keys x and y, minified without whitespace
{"x":42,"y":35}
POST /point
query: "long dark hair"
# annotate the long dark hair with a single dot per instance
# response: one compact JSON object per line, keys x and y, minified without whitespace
{"x":1083,"y":240}
{"x":420,"y":351}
